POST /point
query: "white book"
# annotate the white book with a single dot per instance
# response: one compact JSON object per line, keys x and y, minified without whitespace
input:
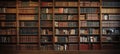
{"x":56,"y":24}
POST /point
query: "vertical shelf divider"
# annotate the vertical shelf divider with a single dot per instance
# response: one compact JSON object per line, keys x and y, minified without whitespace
{"x":53,"y":20}
{"x":100,"y":23}
{"x":39,"y":33}
{"x":78,"y":24}
{"x":17,"y":20}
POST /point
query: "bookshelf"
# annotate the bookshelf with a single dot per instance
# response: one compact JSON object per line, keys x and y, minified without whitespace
{"x":60,"y":25}
{"x":110,"y":24}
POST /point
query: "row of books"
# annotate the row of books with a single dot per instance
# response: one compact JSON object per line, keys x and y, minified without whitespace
{"x":28,"y":31}
{"x":6,"y":4}
{"x":7,"y":17}
{"x":73,"y":38}
{"x":46,"y":31}
{"x":110,"y":17}
{"x":66,"y":10}
{"x":8,"y":31}
{"x":46,"y":17}
{"x":8,"y":10}
{"x":66,"y":31}
{"x":89,"y":10}
{"x":28,"y":24}
{"x":49,"y":39}
{"x":89,"y":39}
{"x":110,"y":10}
{"x":46,"y":4}
{"x":89,"y":31}
{"x":46,"y":39}
{"x":28,"y":47}
{"x":66,"y":17}
{"x":73,"y":47}
{"x":28,"y":39}
{"x":66,"y":24}
{"x":70,"y":17}
{"x":64,"y":47}
{"x":89,"y":17}
{"x":60,"y":4}
{"x":60,"y":39}
{"x":8,"y":24}
{"x":89,"y":3}
{"x":110,"y":46}
{"x":28,"y":10}
{"x":46,"y":23}
{"x":110,"y":4}
{"x":59,"y":47}
{"x":110,"y":24}
{"x":27,"y":3}
{"x":8,"y":46}
{"x":89,"y":24}
{"x":90,"y":46}
{"x":46,"y":47}
{"x":46,"y":10}
{"x":110,"y":38}
{"x":92,"y":17}
{"x":28,"y":17}
{"x":82,"y":3}
{"x":111,"y":31}
{"x":71,"y":4}
{"x":7,"y":39}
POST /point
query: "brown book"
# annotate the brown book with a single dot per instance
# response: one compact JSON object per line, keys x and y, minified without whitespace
{"x":11,"y":10}
{"x":33,"y":3}
{"x":82,"y":17}
{"x":96,"y":46}
{"x":73,"y":47}
{"x":87,"y":3}
{"x":72,"y":4}
{"x":81,"y":3}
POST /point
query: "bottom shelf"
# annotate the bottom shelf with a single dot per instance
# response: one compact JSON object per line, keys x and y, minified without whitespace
{"x":61,"y":47}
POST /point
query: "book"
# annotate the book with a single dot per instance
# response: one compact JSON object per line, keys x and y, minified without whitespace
{"x":110,"y":31}
{"x":110,"y":10}
{"x":110,"y":4}
{"x":46,"y":4}
{"x":28,"y":47}
{"x":73,"y":47}
{"x":28,"y":17}
{"x":28,"y":31}
{"x":61,"y":39}
{"x":46,"y":47}
{"x":73,"y":38}
{"x":28,"y":24}
{"x":8,"y":31}
{"x":84,"y":46}
{"x":28,"y":39}
{"x":66,"y":31}
{"x":46,"y":23}
{"x":61,"y":47}
{"x":6,"y":39}
{"x":45,"y":39}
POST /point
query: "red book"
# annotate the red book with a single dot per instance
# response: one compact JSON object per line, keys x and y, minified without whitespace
{"x":84,"y":46}
{"x":96,"y":46}
{"x":44,"y":3}
{"x":60,"y":10}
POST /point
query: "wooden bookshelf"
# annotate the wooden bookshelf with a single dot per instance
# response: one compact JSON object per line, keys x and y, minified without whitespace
{"x":60,"y":25}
